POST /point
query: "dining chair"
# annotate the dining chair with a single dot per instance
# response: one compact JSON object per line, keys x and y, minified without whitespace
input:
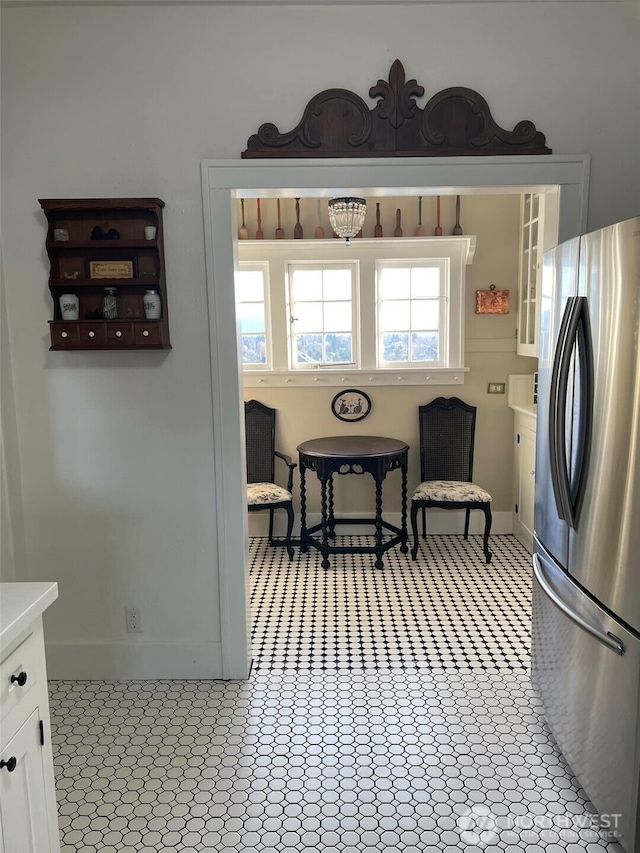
{"x":262,"y":490}
{"x":447,"y":435}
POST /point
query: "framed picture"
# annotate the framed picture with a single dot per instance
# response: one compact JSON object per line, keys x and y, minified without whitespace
{"x":110,"y":269}
{"x":351,"y":405}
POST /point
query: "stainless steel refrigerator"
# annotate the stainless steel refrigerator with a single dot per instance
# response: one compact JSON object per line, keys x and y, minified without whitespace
{"x":586,"y":597}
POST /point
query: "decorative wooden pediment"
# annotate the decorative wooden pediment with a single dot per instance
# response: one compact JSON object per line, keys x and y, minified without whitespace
{"x":455,"y":122}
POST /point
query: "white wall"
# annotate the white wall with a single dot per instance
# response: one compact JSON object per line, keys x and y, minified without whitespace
{"x":115,"y":449}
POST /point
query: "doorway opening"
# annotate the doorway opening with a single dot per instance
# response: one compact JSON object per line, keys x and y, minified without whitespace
{"x":223,"y":184}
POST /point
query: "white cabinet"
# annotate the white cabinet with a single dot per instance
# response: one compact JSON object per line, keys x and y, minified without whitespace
{"x":531,"y":248}
{"x":23,"y":790}
{"x":522,"y":400}
{"x":524,"y":469}
{"x":28,"y":814}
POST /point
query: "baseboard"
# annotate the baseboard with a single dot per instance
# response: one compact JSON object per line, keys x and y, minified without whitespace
{"x":122,"y":661}
{"x":523,"y":536}
{"x":438,"y":522}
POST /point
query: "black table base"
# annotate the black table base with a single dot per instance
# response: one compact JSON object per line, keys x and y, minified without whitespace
{"x":351,"y":455}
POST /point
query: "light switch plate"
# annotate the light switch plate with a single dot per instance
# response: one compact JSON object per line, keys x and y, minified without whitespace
{"x":496,"y":388}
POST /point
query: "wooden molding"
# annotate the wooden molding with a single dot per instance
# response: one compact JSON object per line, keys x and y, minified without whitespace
{"x":455,"y":122}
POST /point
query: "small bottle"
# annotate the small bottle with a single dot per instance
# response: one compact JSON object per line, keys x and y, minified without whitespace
{"x":152,"y":305}
{"x":109,"y":304}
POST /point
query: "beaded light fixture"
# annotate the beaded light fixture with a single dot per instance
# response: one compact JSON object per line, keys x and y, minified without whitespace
{"x":346,"y":215}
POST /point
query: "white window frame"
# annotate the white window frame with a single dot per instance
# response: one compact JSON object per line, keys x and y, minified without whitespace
{"x":444,"y":318}
{"x":365,"y":252}
{"x":354,"y":266}
{"x":261,"y":266}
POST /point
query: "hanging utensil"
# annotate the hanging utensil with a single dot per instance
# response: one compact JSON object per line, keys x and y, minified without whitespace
{"x":398,"y":231}
{"x":457,"y":230}
{"x":243,"y":234}
{"x":259,"y":232}
{"x":420,"y":232}
{"x":319,"y":235}
{"x":279,"y":230}
{"x":297,"y":231}
{"x":438,"y":229}
{"x":377,"y":231}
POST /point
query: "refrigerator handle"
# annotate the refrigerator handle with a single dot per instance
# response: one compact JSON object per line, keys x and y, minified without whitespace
{"x":587,"y":378}
{"x":557,"y":411}
{"x":607,"y":639}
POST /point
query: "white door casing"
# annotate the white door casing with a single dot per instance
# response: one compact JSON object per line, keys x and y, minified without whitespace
{"x":223,"y":181}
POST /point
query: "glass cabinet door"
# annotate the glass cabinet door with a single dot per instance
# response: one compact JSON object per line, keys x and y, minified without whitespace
{"x":530,"y":261}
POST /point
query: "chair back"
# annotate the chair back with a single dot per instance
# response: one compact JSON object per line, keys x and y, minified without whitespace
{"x":447,"y":434}
{"x":260,"y":435}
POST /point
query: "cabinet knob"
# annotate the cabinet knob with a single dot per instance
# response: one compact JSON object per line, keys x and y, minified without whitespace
{"x":145,"y":333}
{"x":92,"y":334}
{"x":64,"y":335}
{"x":118,"y":334}
{"x":20,"y":679}
{"x":10,"y":764}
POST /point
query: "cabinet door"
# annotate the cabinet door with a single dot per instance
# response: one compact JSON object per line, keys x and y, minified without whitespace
{"x":527,"y":479}
{"x":23,"y":818}
{"x":531,"y":246}
{"x":524,"y":476}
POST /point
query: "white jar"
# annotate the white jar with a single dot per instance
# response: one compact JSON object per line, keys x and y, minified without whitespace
{"x":69,"y":306}
{"x":152,"y":305}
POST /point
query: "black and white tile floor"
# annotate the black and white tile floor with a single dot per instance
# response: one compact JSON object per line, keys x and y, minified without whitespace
{"x":437,"y":749}
{"x":448,"y":609}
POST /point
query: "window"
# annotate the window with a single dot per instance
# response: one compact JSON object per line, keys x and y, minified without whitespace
{"x":388,"y":308}
{"x":412,"y":326}
{"x":322,"y":307}
{"x":252,"y":312}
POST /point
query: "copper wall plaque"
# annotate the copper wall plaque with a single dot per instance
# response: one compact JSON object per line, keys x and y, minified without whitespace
{"x":492,"y":301}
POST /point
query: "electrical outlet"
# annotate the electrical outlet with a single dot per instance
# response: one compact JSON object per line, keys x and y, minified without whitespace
{"x":134,"y":620}
{"x":496,"y":388}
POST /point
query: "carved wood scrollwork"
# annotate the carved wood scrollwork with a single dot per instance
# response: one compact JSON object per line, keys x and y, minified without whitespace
{"x":455,"y":122}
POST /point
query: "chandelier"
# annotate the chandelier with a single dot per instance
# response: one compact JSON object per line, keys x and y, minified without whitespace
{"x":346,"y":216}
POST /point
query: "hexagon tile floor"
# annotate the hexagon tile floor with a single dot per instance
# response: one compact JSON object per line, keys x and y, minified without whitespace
{"x":366,"y":759}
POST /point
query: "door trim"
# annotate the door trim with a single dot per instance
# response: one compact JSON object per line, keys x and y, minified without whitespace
{"x":223,"y":181}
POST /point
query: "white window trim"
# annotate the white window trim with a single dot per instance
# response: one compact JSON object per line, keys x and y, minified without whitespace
{"x":444,"y":301}
{"x":263,"y":266}
{"x":460,"y":251}
{"x":355,"y":311}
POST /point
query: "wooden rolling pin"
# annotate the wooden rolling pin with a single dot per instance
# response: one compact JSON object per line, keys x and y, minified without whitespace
{"x":420,"y":227}
{"x":297,"y":231}
{"x":438,"y":230}
{"x":259,"y":232}
{"x":243,"y":234}
{"x":377,"y":231}
{"x":319,"y":235}
{"x":457,"y":230}
{"x":398,"y":231}
{"x":279,"y":231}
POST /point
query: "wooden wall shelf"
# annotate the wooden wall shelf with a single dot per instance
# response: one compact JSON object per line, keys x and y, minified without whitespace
{"x":70,"y":272}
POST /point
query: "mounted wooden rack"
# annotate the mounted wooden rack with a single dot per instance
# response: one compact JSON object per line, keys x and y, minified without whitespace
{"x":90,"y":238}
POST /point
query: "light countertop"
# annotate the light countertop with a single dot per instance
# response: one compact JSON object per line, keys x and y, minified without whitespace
{"x":524,"y":409}
{"x":20,"y":604}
